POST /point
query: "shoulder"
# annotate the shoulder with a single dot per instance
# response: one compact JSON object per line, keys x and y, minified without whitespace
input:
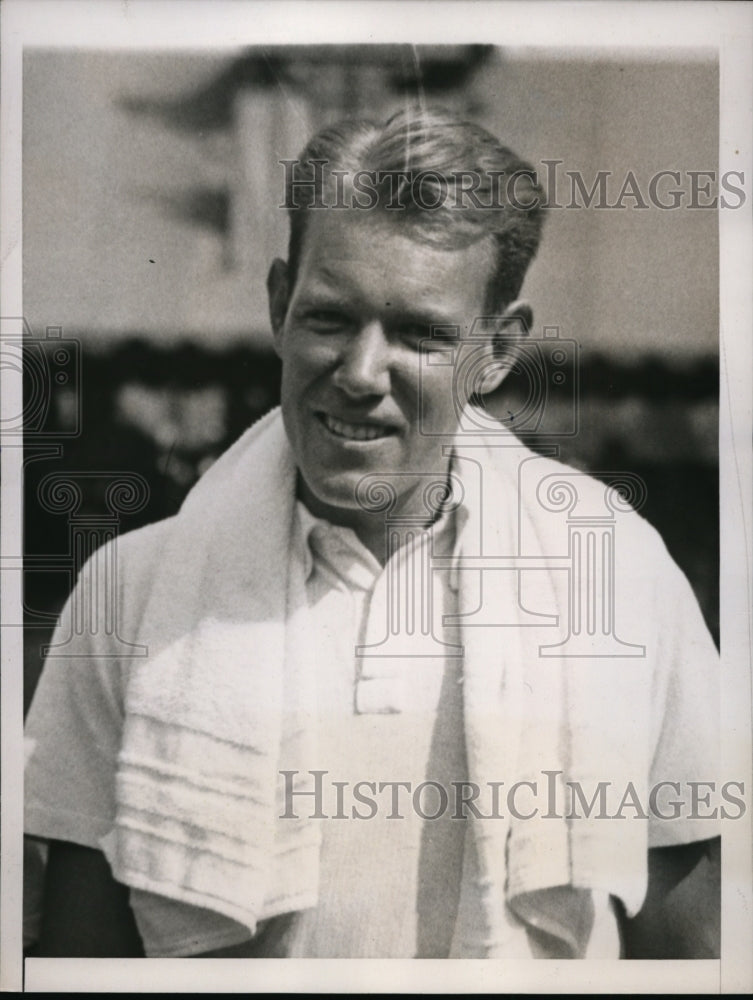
{"x":142,"y":548}
{"x":134,"y":554}
{"x":123,"y":566}
{"x":139,"y":555}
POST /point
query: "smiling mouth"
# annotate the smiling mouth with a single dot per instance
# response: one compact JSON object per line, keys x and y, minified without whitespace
{"x":355,"y":432}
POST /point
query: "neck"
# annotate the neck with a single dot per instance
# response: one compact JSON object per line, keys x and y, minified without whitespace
{"x":371,"y":526}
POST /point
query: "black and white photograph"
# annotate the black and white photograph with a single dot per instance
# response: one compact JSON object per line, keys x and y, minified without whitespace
{"x":376,"y":497}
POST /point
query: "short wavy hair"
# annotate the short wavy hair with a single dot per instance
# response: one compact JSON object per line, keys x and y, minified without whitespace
{"x":434,"y":153}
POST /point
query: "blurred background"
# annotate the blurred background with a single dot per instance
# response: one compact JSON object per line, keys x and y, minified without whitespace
{"x":151,"y":212}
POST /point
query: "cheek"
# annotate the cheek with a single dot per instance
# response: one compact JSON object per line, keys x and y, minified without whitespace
{"x":305,"y":358}
{"x":436,"y":396}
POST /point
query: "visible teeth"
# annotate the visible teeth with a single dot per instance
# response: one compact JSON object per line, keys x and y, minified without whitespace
{"x":356,"y":432}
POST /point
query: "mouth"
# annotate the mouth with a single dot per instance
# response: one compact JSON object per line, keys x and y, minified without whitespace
{"x":356,"y":431}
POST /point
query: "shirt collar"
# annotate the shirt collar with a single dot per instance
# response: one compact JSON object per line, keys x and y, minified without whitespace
{"x":339,"y":546}
{"x":319,"y":537}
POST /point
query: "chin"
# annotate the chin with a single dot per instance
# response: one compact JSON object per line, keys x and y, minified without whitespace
{"x":337,"y":491}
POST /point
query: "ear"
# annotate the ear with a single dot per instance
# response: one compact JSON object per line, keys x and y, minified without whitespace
{"x":278,"y":295}
{"x":511,"y":330}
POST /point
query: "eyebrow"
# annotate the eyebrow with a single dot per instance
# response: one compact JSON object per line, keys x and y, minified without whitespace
{"x":327,"y":286}
{"x":327,"y":290}
{"x":409,"y":315}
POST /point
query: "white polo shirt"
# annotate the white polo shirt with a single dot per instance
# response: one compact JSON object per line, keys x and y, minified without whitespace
{"x":395,"y":885}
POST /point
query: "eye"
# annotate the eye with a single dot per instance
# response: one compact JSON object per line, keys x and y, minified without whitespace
{"x":414,"y":333}
{"x":326,"y":319}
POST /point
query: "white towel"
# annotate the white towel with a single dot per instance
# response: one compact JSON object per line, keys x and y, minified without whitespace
{"x":551,"y":719}
{"x":198,"y":775}
{"x":198,"y":769}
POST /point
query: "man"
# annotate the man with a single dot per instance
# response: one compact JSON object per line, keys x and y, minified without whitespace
{"x":343,"y":629}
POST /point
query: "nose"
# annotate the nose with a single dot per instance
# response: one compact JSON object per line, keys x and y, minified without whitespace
{"x":364,"y":366}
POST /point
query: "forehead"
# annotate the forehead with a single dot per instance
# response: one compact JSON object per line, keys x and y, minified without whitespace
{"x":375,"y":256}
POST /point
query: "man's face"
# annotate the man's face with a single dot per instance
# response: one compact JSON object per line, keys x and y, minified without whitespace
{"x":349,"y":335}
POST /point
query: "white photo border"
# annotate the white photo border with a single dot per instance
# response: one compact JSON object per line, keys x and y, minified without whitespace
{"x":596,"y":26}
